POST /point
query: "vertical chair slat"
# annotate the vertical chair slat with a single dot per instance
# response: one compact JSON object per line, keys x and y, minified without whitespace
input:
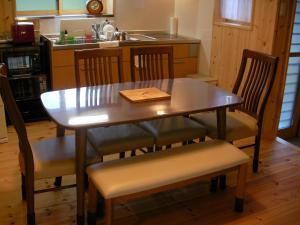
{"x":97,"y":78}
{"x":161,"y":66}
{"x":148,"y":67}
{"x":106,"y":77}
{"x":110,"y":74}
{"x":261,"y":88}
{"x":152,"y":67}
{"x":98,"y":65}
{"x":246,"y":88}
{"x":86,"y":70}
{"x":252,"y":84}
{"x":140,"y":66}
{"x":144,"y":67}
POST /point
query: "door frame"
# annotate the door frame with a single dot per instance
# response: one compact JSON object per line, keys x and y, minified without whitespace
{"x":291,"y":131}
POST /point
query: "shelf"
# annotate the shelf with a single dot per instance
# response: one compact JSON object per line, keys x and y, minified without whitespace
{"x":26,"y":76}
{"x":28,"y":99}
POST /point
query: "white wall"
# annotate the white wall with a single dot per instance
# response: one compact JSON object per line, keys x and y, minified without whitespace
{"x":130,"y":15}
{"x":195,"y":19}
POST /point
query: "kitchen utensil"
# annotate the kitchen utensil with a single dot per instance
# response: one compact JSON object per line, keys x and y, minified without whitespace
{"x":108,"y":31}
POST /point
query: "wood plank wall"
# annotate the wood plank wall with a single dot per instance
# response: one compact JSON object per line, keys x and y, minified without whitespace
{"x":228,"y":44}
{"x":7,"y":16}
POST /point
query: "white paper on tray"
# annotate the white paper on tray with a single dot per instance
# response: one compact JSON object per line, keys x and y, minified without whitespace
{"x":108,"y":44}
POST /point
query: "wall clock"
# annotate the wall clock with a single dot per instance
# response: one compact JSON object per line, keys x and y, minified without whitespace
{"x":94,"y":6}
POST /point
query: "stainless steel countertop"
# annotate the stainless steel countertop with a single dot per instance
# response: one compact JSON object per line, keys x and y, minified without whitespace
{"x":138,"y":38}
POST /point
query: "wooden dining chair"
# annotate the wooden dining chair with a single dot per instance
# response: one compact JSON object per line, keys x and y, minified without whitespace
{"x":52,"y":157}
{"x":151,"y":63}
{"x":254,"y":83}
{"x":154,"y":63}
{"x":104,"y":66}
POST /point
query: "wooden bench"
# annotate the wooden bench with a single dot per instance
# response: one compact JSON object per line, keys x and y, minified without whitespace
{"x":143,"y":175}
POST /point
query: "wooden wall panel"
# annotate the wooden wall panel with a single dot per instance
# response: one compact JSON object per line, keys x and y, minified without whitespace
{"x":229,"y":42}
{"x":7,"y":16}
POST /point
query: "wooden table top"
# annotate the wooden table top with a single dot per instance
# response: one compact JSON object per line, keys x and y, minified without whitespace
{"x":104,"y":106}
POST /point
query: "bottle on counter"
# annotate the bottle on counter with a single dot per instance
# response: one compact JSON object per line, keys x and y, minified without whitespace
{"x":62,"y":37}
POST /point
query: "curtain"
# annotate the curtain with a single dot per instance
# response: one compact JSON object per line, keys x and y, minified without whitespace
{"x":238,"y":10}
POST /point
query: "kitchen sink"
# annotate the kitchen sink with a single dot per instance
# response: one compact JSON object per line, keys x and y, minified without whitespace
{"x":140,"y":37}
{"x":82,"y":40}
{"x":75,"y":41}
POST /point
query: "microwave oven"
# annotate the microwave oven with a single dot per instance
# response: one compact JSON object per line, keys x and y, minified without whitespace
{"x":21,"y":63}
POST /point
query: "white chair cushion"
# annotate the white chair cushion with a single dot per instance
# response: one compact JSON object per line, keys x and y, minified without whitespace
{"x":56,"y":157}
{"x":136,"y":174}
{"x":239,"y":125}
{"x":173,"y":129}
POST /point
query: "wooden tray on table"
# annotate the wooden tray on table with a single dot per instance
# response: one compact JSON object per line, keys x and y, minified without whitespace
{"x":144,"y":94}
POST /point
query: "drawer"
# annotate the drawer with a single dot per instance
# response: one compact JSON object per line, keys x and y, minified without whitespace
{"x":183,"y":67}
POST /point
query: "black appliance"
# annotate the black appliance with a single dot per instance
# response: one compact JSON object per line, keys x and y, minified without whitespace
{"x":28,"y":74}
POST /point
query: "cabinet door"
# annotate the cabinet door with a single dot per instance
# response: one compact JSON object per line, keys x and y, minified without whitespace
{"x":63,"y":72}
{"x":63,"y":77}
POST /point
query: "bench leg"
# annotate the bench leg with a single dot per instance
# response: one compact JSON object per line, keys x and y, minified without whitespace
{"x":222,"y":183}
{"x":168,"y":146}
{"x":158,"y":148}
{"x":92,"y":204}
{"x":57,"y":182}
{"x":108,"y":218}
{"x":240,"y":188}
{"x":214,"y":184}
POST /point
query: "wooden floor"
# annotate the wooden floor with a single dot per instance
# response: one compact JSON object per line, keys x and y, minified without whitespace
{"x":273,"y":195}
{"x":294,"y":141}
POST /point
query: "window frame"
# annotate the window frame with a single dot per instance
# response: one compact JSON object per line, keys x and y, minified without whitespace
{"x":219,"y":20}
{"x":59,"y":12}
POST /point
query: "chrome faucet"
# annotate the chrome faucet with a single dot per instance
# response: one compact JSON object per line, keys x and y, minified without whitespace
{"x":97,"y":29}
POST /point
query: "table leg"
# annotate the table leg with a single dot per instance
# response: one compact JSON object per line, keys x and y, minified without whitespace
{"x":221,"y":123}
{"x":81,"y":143}
{"x":60,"y":132}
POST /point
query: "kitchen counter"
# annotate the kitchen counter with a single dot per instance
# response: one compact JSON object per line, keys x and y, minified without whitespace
{"x":135,"y":38}
{"x":185,"y":53}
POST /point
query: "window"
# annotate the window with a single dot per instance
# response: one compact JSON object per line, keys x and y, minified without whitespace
{"x":57,"y":7}
{"x":234,"y":12}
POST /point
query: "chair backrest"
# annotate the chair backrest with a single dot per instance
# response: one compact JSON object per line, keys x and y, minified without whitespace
{"x":15,"y":116}
{"x":99,"y":66}
{"x":254,"y":82}
{"x":149,"y":63}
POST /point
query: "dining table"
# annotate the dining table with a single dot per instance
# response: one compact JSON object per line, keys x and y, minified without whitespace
{"x":80,"y":109}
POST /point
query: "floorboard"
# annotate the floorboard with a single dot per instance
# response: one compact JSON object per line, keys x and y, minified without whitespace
{"x":273,"y":194}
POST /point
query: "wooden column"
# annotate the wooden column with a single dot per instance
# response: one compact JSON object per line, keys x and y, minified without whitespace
{"x":7,"y":16}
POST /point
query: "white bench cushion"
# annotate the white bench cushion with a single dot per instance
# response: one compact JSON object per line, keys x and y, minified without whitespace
{"x":136,"y":174}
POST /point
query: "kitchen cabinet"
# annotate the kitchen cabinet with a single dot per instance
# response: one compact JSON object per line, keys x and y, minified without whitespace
{"x":3,"y":130}
{"x":63,"y":73}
